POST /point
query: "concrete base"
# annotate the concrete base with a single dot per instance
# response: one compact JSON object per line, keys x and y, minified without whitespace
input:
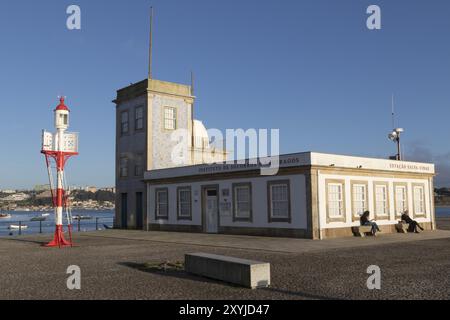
{"x":247,"y":273}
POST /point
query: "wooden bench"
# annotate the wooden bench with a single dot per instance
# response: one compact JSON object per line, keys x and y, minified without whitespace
{"x":402,"y":227}
{"x":247,"y":273}
{"x":360,"y":231}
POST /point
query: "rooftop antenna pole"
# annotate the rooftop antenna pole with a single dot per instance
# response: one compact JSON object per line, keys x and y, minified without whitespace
{"x":150,"y":45}
{"x":393,"y":112}
{"x":395,"y":134}
{"x":192,"y":114}
{"x":192,"y":83}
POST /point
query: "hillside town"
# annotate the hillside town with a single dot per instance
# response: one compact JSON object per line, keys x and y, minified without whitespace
{"x":40,"y":199}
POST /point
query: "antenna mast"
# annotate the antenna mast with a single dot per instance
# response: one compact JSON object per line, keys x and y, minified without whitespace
{"x":150,"y":45}
{"x":393,"y":112}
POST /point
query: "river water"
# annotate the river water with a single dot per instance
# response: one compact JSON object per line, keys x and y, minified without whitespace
{"x":442,"y":211}
{"x":98,"y":219}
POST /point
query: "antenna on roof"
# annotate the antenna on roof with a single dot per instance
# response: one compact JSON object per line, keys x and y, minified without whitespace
{"x":393,"y":112}
{"x":192,"y":83}
{"x":150,"y":45}
{"x":192,"y":113}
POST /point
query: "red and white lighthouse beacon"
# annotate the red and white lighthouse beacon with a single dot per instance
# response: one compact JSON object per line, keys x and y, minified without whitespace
{"x":60,"y":146}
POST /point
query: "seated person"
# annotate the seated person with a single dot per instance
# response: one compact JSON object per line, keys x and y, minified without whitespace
{"x":413,"y":225}
{"x":366,"y":222}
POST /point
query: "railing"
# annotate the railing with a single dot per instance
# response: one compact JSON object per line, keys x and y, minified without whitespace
{"x":9,"y":227}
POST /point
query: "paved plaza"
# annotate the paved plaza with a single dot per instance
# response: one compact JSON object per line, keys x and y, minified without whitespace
{"x":113,"y":264}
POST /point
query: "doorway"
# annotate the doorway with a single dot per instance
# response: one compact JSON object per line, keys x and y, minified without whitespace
{"x":124,"y":211}
{"x":211,"y":209}
{"x":139,"y":211}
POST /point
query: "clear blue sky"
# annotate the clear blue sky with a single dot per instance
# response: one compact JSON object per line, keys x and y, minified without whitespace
{"x":308,"y":67}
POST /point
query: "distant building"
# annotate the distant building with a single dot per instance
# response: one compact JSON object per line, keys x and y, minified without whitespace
{"x":91,"y":189}
{"x":8,"y":191}
{"x":41,"y":187}
{"x":17,"y":197}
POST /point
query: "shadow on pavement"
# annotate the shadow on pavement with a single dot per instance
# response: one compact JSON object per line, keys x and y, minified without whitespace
{"x":42,"y":243}
{"x":300,"y":294}
{"x":181,"y":274}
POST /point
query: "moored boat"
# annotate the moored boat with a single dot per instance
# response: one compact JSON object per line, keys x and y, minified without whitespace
{"x":16,"y":227}
{"x":38,"y":218}
{"x":5,"y":216}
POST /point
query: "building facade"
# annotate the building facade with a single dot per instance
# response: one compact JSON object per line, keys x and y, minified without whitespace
{"x":313,"y":195}
{"x":147,"y":115}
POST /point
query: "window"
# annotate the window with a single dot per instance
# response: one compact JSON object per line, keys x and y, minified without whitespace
{"x":242,"y":201}
{"x":139,"y":165}
{"x":170,"y":118}
{"x":64,"y":119}
{"x":124,"y":127}
{"x":123,"y":166}
{"x":381,"y":200}
{"x":419,"y":201}
{"x":184,"y":203}
{"x":162,"y":203}
{"x":335,"y":200}
{"x":279,"y":201}
{"x":139,"y":118}
{"x":359,"y":199}
{"x":401,"y":200}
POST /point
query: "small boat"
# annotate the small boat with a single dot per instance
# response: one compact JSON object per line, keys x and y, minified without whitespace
{"x":5,"y":216}
{"x":16,"y":227}
{"x":38,"y":218}
{"x":82,"y":217}
{"x":45,"y":214}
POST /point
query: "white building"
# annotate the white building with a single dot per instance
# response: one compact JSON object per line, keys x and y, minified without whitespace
{"x":314,"y":195}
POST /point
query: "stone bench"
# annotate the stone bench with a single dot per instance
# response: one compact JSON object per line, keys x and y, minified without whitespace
{"x":360,"y":231}
{"x":247,"y":273}
{"x":402,"y":227}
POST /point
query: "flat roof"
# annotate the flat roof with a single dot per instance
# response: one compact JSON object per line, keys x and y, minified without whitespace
{"x":294,"y":160}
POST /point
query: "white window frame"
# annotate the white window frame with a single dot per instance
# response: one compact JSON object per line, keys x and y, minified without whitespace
{"x":239,"y":214}
{"x":384,"y":202}
{"x":158,"y":204}
{"x":360,"y":204}
{"x":340,"y":201}
{"x":421,"y":211}
{"x":181,"y":203}
{"x":287,"y":216}
{"x":170,"y":121}
{"x":403,"y":200}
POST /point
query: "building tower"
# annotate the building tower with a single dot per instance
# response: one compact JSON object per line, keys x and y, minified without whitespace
{"x":59,"y":146}
{"x":147,"y":114}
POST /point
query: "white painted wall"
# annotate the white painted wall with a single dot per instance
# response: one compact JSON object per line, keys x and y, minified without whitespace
{"x":371,"y":202}
{"x":259,"y":202}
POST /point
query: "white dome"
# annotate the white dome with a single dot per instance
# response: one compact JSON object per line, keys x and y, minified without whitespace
{"x":201,"y":139}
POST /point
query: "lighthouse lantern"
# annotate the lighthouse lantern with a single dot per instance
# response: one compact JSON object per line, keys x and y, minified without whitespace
{"x":62,"y":115}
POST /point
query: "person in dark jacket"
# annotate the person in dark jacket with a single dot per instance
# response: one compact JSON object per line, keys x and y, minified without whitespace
{"x":413,"y":225}
{"x":366,"y":222}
